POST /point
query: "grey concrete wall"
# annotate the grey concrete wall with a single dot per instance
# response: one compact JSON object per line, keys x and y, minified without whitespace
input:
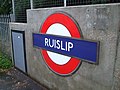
{"x":98,"y":22}
{"x":117,"y":67}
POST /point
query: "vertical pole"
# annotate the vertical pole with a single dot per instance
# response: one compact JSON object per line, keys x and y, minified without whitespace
{"x":64,"y":3}
{"x":13,"y":7}
{"x":31,"y":4}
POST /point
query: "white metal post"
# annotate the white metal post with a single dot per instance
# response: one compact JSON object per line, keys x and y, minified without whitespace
{"x":31,"y":4}
{"x":13,"y":8}
{"x":64,"y":3}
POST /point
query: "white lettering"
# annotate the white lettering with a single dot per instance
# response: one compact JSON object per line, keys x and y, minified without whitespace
{"x":46,"y":41}
{"x":70,"y":45}
{"x":62,"y":46}
{"x":66,"y":45}
{"x":58,"y":44}
{"x":54,"y":43}
{"x":51,"y":43}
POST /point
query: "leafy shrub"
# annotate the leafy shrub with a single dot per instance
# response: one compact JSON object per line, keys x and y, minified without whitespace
{"x":5,"y":62}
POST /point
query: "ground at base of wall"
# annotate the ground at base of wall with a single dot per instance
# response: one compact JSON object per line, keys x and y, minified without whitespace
{"x":15,"y":80}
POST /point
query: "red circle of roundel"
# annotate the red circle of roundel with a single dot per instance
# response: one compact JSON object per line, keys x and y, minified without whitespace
{"x":65,"y":20}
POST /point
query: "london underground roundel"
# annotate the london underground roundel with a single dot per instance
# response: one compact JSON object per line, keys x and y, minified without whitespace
{"x":60,"y":24}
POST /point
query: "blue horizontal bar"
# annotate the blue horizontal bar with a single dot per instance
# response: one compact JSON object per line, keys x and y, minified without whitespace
{"x":82,"y":49}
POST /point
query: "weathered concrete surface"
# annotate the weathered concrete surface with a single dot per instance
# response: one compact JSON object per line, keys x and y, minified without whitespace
{"x":117,"y":68}
{"x":99,"y":22}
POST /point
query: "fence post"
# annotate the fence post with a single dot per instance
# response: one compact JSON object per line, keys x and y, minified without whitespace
{"x":64,"y":3}
{"x":13,"y":7}
{"x":31,"y":4}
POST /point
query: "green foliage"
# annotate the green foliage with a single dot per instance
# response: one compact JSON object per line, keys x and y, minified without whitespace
{"x":5,"y":62}
{"x":5,"y":6}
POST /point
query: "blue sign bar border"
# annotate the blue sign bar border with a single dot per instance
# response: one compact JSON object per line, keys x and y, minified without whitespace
{"x":86,"y":60}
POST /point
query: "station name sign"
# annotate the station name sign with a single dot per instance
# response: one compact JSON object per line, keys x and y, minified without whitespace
{"x":83,"y":49}
{"x":62,"y":46}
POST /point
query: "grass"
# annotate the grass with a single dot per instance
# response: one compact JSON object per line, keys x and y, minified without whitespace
{"x":5,"y":62}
